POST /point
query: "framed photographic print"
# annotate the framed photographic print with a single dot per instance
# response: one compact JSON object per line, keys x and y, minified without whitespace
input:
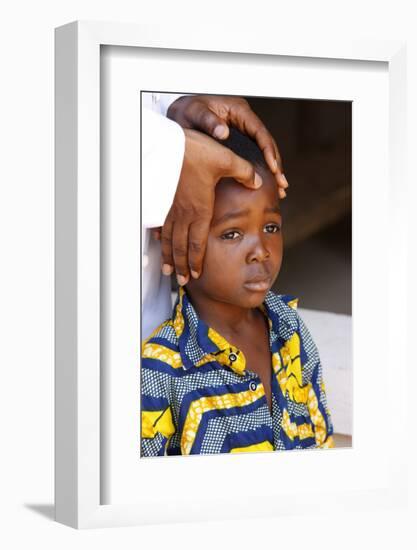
{"x":341,"y":103}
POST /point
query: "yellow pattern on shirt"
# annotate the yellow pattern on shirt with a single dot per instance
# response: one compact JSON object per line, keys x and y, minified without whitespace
{"x":292,"y":430}
{"x":289,"y":378}
{"x":319,"y":423}
{"x":179,"y":319}
{"x":289,"y":371}
{"x":161,"y":353}
{"x":154,"y":422}
{"x":205,"y":404}
{"x":256,"y":447}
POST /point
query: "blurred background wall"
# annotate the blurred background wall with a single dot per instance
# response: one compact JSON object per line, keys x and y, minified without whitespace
{"x":314,"y":138}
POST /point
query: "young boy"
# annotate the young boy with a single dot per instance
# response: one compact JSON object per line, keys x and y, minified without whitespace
{"x":235,"y":369}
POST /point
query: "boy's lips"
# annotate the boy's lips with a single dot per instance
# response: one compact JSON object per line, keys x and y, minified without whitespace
{"x":259,"y":283}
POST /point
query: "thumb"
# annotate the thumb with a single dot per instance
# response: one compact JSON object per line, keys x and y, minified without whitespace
{"x":243,"y":171}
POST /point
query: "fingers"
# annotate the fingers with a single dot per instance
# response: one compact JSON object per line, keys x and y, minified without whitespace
{"x":166,"y":246}
{"x":283,"y":183}
{"x":280,"y":177}
{"x":156,"y":233}
{"x":270,"y":157}
{"x":197,"y":242}
{"x":241,"y":170}
{"x":185,"y":249}
{"x":174,"y":244}
{"x":242,"y":116}
{"x":207,"y":121}
{"x":180,"y":252}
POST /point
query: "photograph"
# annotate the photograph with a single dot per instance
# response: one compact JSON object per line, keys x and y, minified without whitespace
{"x":246,"y":277}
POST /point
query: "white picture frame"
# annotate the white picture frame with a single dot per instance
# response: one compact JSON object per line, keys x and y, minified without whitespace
{"x":377,"y":467}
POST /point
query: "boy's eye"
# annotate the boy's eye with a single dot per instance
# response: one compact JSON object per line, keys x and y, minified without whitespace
{"x":231,"y":235}
{"x":272,"y":228}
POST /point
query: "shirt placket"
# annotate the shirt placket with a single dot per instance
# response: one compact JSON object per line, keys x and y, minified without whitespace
{"x":229,"y":357}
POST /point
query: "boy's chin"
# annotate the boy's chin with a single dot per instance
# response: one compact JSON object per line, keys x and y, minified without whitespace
{"x":255,"y":299}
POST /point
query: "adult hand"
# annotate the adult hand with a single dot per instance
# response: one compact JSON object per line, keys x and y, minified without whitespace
{"x":185,"y":231}
{"x":213,"y":114}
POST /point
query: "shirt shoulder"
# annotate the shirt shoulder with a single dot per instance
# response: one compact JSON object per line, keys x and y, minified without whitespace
{"x":286,"y":300}
{"x":287,"y":306}
{"x":161,"y":352}
{"x":281,"y":301}
{"x":309,"y":351}
{"x":282,"y":310}
{"x":164,"y":336}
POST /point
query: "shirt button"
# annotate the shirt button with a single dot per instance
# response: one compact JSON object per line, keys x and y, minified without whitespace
{"x":232,"y":357}
{"x":253,"y":385}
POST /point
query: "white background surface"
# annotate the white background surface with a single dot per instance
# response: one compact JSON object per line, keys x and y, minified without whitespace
{"x":26,"y":301}
{"x":332,"y":333}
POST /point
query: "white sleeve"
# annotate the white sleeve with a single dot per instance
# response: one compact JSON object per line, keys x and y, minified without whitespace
{"x":163,"y":144}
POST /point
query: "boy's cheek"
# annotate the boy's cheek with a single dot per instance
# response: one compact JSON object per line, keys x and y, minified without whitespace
{"x":218,"y":272}
{"x":219,"y":263}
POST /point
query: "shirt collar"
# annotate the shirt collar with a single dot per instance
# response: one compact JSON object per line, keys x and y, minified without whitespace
{"x":199,"y":342}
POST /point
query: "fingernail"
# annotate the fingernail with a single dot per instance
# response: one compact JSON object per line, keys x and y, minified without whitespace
{"x":275,"y":165}
{"x":220,"y":132}
{"x":181,"y":280}
{"x":195,"y":274}
{"x":284,"y":180}
{"x":167,"y":269}
{"x":258,"y":180}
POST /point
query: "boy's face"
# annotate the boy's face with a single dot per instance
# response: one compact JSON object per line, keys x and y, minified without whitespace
{"x":244,"y":248}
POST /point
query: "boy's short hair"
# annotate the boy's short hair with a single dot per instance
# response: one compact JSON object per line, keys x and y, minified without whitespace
{"x":245,"y":147}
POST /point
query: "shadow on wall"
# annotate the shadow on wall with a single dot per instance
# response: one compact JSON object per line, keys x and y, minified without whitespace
{"x":315,"y":141}
{"x":318,"y":270}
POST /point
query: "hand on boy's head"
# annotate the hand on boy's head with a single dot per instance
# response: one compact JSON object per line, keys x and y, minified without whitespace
{"x":213,"y":114}
{"x":185,"y":231}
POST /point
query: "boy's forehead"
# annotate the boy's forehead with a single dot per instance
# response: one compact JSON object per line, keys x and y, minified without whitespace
{"x":230,"y":193}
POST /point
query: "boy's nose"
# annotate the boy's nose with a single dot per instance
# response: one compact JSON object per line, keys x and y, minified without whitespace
{"x":258,"y":252}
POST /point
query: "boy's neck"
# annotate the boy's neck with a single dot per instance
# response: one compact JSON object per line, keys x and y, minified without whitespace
{"x":227,"y":319}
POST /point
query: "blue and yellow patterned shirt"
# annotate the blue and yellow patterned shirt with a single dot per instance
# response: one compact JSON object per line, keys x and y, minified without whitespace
{"x":199,"y":398}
